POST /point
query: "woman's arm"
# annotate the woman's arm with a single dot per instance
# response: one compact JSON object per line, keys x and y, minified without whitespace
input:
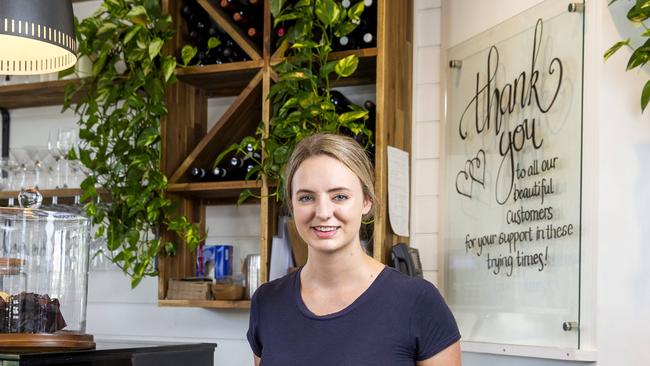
{"x":450,"y":356}
{"x":257,"y":360}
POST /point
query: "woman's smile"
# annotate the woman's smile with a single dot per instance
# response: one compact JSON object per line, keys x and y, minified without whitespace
{"x":325,"y":232}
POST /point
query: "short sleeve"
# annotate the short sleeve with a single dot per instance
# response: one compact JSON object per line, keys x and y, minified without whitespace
{"x":433,"y":326}
{"x":253,"y":327}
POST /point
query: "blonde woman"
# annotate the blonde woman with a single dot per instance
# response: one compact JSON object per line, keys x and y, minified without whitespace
{"x":344,"y":307}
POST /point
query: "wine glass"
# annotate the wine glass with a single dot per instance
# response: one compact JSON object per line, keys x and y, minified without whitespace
{"x":56,"y":155}
{"x":22,"y":168}
{"x":66,"y":141}
{"x":37,"y":155}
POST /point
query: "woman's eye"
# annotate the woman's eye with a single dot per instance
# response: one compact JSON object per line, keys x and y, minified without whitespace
{"x":340,"y":197}
{"x":305,"y":198}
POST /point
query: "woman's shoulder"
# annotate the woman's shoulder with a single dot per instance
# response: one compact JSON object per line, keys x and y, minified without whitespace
{"x":278,"y":288}
{"x":408,"y":285}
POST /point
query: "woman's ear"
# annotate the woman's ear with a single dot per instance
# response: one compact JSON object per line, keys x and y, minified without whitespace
{"x":367,"y":206}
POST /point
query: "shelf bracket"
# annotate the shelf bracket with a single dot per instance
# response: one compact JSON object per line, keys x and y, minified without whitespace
{"x":6,"y":122}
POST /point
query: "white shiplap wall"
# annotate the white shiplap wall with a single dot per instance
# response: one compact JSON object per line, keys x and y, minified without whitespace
{"x":425,"y":158}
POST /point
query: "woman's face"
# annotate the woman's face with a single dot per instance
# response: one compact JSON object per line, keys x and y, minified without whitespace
{"x":328,"y":203}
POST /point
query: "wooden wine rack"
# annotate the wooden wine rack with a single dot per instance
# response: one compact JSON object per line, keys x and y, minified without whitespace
{"x":187,"y":142}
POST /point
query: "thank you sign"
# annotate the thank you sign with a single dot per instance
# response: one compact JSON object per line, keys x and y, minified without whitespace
{"x":513,"y":135}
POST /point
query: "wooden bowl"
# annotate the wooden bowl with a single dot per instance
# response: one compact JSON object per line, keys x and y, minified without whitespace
{"x":226,"y":291}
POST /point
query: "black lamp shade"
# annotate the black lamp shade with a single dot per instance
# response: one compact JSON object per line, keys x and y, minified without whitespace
{"x":36,"y":36}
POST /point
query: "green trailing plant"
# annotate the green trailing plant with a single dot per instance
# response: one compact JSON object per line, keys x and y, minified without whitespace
{"x":300,"y":98}
{"x":119,"y":107}
{"x":638,"y":13}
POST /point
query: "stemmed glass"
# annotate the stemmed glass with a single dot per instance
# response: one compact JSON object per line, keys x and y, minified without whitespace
{"x":66,"y":141}
{"x":37,"y":155}
{"x":52,"y":146}
{"x":7,"y":173}
{"x":22,"y":167}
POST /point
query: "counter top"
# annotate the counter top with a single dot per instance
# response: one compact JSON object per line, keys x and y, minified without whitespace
{"x":118,"y":354}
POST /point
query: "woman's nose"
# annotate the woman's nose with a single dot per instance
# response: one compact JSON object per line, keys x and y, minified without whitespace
{"x":324,"y":209}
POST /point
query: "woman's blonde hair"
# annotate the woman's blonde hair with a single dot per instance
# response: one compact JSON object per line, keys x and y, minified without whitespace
{"x":341,"y":148}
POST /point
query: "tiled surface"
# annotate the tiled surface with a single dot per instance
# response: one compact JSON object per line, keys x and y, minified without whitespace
{"x":427,"y":102}
{"x":427,"y":244}
{"x":426,"y":215}
{"x":426,"y":177}
{"x":426,"y":135}
{"x":427,"y":27}
{"x":427,"y":61}
{"x":427,"y":140}
{"x":426,"y":4}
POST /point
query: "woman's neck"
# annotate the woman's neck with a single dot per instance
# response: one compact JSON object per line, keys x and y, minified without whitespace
{"x":339,"y":268}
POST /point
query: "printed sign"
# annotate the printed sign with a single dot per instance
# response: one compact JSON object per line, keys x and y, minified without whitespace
{"x":513,"y":179}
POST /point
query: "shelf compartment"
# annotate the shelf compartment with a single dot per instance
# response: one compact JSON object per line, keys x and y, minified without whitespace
{"x":240,"y":120}
{"x":233,"y":31}
{"x":366,"y":72}
{"x":39,"y":94}
{"x":212,"y":304}
{"x":215,"y":189}
{"x":221,"y":80}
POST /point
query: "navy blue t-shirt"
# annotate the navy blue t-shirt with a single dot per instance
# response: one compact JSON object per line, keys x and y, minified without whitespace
{"x":398,"y":320}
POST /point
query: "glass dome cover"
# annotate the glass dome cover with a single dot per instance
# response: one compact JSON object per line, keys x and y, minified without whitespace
{"x":43,"y":271}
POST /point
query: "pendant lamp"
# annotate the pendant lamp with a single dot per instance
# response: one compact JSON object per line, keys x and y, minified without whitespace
{"x":36,"y":36}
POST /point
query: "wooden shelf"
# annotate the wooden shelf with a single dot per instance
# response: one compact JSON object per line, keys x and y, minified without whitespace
{"x":220,"y":80}
{"x":67,"y":192}
{"x":214,"y":189}
{"x":213,"y":304}
{"x":26,"y":95}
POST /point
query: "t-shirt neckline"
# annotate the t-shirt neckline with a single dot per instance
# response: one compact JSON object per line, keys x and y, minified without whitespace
{"x":359,"y":300}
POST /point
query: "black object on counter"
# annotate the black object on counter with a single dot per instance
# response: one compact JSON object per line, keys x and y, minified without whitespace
{"x":119,"y":354}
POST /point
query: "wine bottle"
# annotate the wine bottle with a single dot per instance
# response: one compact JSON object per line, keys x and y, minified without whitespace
{"x":239,"y":167}
{"x":254,"y":34}
{"x":228,"y":5}
{"x":252,"y":153}
{"x":198,"y":173}
{"x":340,"y":101}
{"x":280,"y":31}
{"x":346,"y":43}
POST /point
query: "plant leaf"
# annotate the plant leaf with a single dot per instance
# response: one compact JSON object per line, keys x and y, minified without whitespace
{"x":276,"y":7}
{"x":106,"y":27}
{"x":645,"y":96}
{"x":129,"y":36}
{"x":155,"y":47}
{"x":213,"y":42}
{"x":355,"y":11}
{"x":352,"y":116}
{"x":187,"y":54}
{"x":615,"y":48}
{"x":347,"y":66}
{"x":327,"y":11}
{"x":169,"y":66}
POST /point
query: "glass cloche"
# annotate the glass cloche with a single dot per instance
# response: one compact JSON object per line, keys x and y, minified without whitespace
{"x":43,"y":276}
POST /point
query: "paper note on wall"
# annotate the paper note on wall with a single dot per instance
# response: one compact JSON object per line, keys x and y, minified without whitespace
{"x":398,"y":190}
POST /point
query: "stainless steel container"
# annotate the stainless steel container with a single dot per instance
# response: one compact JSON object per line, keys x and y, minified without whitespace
{"x":252,"y":273}
{"x":45,"y":278}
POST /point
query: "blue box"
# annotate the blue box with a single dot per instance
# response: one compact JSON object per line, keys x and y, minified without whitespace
{"x":217,"y":261}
